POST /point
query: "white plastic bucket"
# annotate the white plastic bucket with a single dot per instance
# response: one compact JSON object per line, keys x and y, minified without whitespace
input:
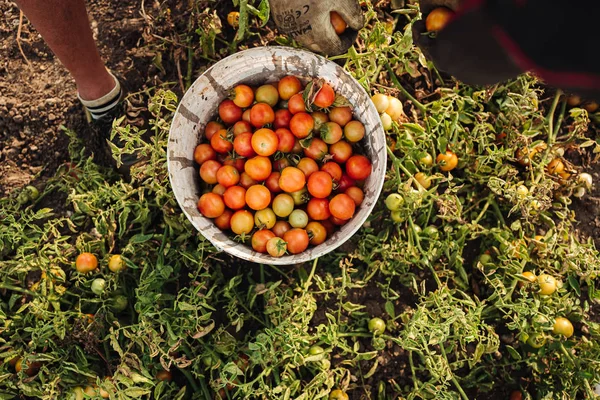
{"x":254,"y":67}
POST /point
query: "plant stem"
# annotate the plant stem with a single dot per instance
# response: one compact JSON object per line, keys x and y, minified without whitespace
{"x":453,"y":378}
{"x":190,"y":379}
{"x":396,"y":82}
{"x":550,"y":119}
{"x":311,"y":275}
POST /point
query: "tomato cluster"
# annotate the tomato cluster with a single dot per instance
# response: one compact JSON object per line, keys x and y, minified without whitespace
{"x":282,"y":165}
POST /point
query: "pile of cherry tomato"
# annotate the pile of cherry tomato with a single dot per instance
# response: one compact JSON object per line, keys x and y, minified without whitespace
{"x":282,"y":165}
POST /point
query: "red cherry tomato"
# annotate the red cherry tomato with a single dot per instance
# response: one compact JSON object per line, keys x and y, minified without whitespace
{"x":229,"y":112}
{"x":261,"y":114}
{"x":356,"y":194}
{"x":272,"y":182}
{"x":260,"y":239}
{"x":292,"y":180}
{"x":241,"y":127}
{"x":333,"y":169}
{"x":325,"y":96}
{"x":317,"y":149}
{"x":243,"y":145}
{"x":287,"y":140}
{"x":337,"y":221}
{"x":297,"y":240}
{"x":302,"y":125}
{"x":330,"y":226}
{"x":282,"y":163}
{"x":289,"y":86}
{"x":345,"y":183}
{"x":235,"y":197}
{"x":296,"y":104}
{"x":243,"y":96}
{"x":282,"y":119}
{"x":258,"y":168}
{"x":211,"y":128}
{"x":223,"y":221}
{"x":308,"y":166}
{"x":342,"y":206}
{"x":220,"y":143}
{"x":208,"y":171}
{"x":211,"y":205}
{"x":203,"y":152}
{"x":258,"y":197}
{"x":237,"y":163}
{"x":228,"y":176}
{"x":358,"y":167}
{"x":320,"y":184}
{"x":265,"y":142}
{"x":340,"y":115}
{"x":316,"y":232}
{"x":280,"y":228}
{"x":245,"y":180}
{"x":341,"y":151}
{"x":318,"y":209}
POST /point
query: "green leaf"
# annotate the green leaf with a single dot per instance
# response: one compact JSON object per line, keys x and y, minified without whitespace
{"x":513,"y":353}
{"x":574,"y":284}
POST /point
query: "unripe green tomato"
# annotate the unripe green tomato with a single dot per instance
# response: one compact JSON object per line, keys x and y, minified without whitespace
{"x":397,"y":216}
{"x":98,"y":286}
{"x":536,"y":340}
{"x":394,"y":201}
{"x":547,"y":284}
{"x":563,"y":326}
{"x":386,"y":121}
{"x":485,"y":259}
{"x":119,"y":303}
{"x":33,"y":193}
{"x":315,"y":350}
{"x":377,"y":326}
{"x":426,"y":160}
{"x":431,"y":232}
{"x":522,"y":191}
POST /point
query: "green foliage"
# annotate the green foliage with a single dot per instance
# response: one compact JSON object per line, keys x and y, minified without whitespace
{"x":460,"y":315}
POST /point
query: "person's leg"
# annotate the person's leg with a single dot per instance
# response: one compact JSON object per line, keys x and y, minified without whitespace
{"x":65,"y":27}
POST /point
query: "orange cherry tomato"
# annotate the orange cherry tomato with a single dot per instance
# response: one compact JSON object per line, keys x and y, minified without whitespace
{"x":258,"y":168}
{"x":438,"y":19}
{"x":317,"y":149}
{"x":203,"y":152}
{"x":297,"y":240}
{"x":292,"y":180}
{"x":342,"y":207}
{"x":211,"y":128}
{"x":243,"y":96}
{"x":241,"y":127}
{"x":242,"y":222}
{"x":223,"y":221}
{"x":208,"y":171}
{"x":331,"y":132}
{"x":86,"y":262}
{"x":341,"y":151}
{"x":265,"y":142}
{"x":308,"y":166}
{"x":340,"y":115}
{"x":316,"y":232}
{"x":333,"y":169}
{"x":258,"y":197}
{"x":289,"y":86}
{"x":260,"y":239}
{"x":211,"y":205}
{"x":228,"y":176}
{"x":447,"y":161}
{"x":356,"y":194}
{"x":339,"y":25}
{"x":302,"y":125}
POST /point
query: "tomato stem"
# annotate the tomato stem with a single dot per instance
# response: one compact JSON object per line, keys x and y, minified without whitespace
{"x":396,"y":82}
